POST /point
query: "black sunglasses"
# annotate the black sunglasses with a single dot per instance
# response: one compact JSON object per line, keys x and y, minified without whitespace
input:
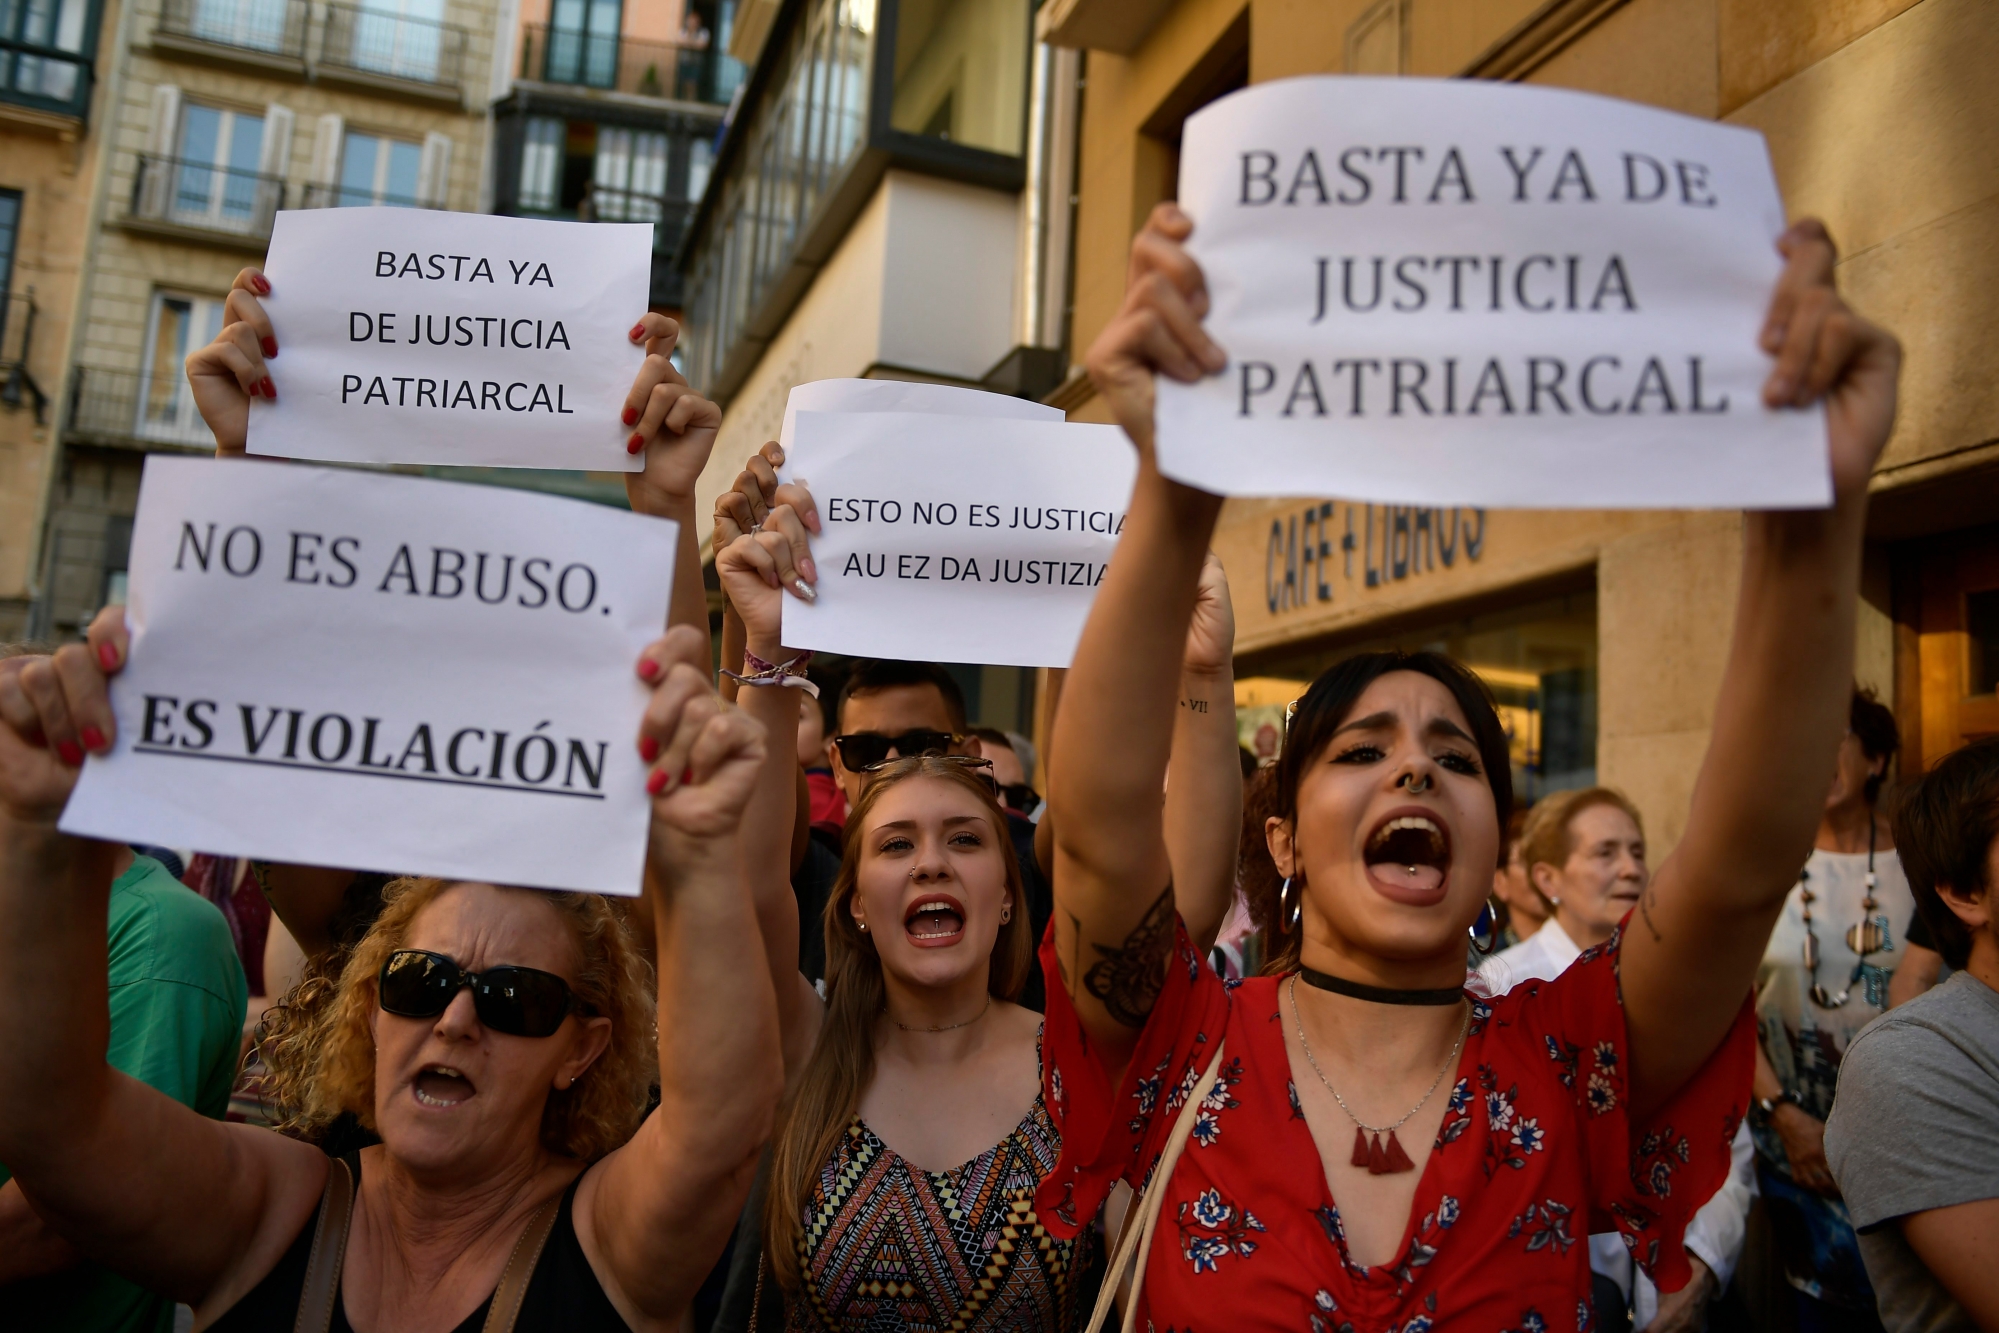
{"x":1020,"y":796}
{"x":519,"y":1001}
{"x":864,"y":750}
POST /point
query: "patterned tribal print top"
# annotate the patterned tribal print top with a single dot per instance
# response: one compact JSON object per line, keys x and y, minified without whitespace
{"x":890,"y":1247}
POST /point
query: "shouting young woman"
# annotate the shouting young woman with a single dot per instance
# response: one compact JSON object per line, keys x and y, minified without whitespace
{"x":1373,"y":1148}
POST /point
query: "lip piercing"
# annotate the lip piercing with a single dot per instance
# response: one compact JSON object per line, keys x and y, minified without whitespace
{"x":1415,"y":785}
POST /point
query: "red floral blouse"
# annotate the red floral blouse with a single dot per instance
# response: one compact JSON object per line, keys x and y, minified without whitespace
{"x":1535,"y":1154}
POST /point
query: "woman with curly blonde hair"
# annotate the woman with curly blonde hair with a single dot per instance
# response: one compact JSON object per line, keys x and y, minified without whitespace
{"x":500,"y":1041}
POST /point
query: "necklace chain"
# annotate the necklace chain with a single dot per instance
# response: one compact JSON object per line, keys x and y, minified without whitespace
{"x":1450,"y":1063}
{"x":946,"y":1027}
{"x":1867,"y":936}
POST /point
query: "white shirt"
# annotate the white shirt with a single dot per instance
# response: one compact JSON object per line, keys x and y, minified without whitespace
{"x":1715,"y":1235}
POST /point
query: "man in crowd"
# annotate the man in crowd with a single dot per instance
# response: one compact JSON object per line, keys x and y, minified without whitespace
{"x":177,"y":997}
{"x":1583,"y":852}
{"x":1013,"y":768}
{"x":1912,"y":1131}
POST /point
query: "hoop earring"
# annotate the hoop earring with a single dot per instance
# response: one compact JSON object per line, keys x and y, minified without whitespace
{"x":1289,"y":908}
{"x":1484,"y":931}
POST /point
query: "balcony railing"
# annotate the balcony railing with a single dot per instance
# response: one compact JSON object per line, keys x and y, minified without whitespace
{"x":602,"y":203}
{"x":266,"y":27}
{"x":386,"y":44}
{"x":349,"y":196}
{"x":108,"y":406}
{"x":45,"y":78}
{"x":17,"y":343}
{"x":619,"y":64}
{"x":205,"y":197}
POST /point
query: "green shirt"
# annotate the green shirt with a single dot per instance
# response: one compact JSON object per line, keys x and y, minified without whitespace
{"x":177,"y":1003}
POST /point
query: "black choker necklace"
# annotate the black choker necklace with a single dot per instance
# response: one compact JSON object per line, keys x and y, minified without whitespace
{"x":1379,"y":994}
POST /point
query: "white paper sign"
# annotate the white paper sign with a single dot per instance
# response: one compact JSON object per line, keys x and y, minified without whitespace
{"x":956,"y":539}
{"x":847,"y":395}
{"x":419,"y":336}
{"x":386,"y":673}
{"x":1446,"y":292}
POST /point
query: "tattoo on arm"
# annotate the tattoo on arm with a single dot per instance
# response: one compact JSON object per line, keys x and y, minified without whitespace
{"x":1645,"y":910}
{"x":1195,"y":705}
{"x":1127,"y":978}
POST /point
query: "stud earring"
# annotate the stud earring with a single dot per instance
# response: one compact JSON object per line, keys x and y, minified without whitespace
{"x":863,"y":925}
{"x":1006,"y":915}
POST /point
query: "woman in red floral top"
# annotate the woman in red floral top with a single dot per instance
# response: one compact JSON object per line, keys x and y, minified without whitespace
{"x":1383,"y":1151}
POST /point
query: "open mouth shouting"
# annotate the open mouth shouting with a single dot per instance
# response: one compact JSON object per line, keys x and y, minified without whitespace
{"x":934,"y":921}
{"x":441,"y":1086}
{"x":1409,"y":857}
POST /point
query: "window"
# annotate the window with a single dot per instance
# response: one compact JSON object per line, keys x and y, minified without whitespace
{"x":961,"y":71}
{"x":215,"y":181}
{"x":630,"y":175}
{"x":399,"y":38}
{"x":257,"y":24}
{"x":12,"y":331}
{"x":166,"y":407}
{"x":377,"y":170}
{"x":541,"y":164}
{"x":47,"y":23}
{"x":700,"y":157}
{"x":583,"y":42}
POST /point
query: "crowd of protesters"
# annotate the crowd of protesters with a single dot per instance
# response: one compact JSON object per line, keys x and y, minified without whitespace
{"x":911,"y":1027}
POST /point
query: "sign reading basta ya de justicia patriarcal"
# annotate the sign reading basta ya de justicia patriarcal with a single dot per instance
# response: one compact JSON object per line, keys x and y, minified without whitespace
{"x":1446,"y":292}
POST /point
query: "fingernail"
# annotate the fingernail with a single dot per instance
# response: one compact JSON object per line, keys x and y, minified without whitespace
{"x":648,"y":749}
{"x":631,"y":417}
{"x":93,"y":739}
{"x":1780,"y":387}
{"x":810,"y":570}
{"x":258,"y":281}
{"x":270,"y":346}
{"x":71,"y":755}
{"x":270,"y":389}
{"x":655,"y":781}
{"x":648,"y":669}
{"x":686,"y":776}
{"x":638,"y":332}
{"x":804,"y":590}
{"x":636,"y":443}
{"x":107,"y":657}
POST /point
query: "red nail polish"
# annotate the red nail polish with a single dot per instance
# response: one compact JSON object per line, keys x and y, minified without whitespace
{"x":686,"y":776}
{"x":636,"y":443}
{"x":263,"y":287}
{"x":638,"y":332}
{"x":71,"y":754}
{"x":655,"y":781}
{"x":270,"y":346}
{"x":93,"y":739}
{"x":648,"y":669}
{"x":648,"y":749}
{"x":631,"y":417}
{"x":270,"y":389}
{"x":107,"y":657}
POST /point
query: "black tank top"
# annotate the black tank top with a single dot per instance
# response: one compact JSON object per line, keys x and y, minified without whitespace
{"x":563,"y":1294}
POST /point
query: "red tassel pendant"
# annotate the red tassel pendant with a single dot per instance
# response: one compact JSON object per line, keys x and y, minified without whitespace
{"x":1380,"y":1159}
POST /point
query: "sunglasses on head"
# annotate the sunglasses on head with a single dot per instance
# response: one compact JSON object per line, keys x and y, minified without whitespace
{"x":982,"y":767}
{"x":519,"y":1001}
{"x":865,"y":750}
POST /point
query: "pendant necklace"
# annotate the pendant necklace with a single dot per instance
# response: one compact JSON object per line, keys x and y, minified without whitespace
{"x":1867,"y":936}
{"x":1379,"y":1157}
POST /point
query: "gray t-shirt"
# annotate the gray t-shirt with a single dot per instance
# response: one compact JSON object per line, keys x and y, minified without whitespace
{"x":1912,"y":1129}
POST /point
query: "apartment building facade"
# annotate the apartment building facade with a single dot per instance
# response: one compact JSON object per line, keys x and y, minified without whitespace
{"x":51,"y":113}
{"x":216,"y":114}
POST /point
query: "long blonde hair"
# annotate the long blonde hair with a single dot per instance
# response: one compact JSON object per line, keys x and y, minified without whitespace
{"x":843,"y":1061}
{"x":320,"y":1052}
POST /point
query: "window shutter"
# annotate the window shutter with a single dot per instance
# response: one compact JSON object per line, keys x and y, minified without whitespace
{"x":277,"y":155}
{"x":326,"y":151}
{"x":433,"y":173}
{"x":154,"y":175}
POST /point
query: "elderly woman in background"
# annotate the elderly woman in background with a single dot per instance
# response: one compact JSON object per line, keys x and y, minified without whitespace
{"x":1824,"y":977}
{"x":497,"y":1039}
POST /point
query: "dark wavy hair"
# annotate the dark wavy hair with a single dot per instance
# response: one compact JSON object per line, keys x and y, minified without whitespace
{"x":1323,"y":710}
{"x":1873,"y":725}
{"x":1944,"y":828}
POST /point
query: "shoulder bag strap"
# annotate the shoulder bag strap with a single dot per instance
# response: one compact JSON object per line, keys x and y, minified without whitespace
{"x":329,"y":1251}
{"x":513,"y":1288}
{"x":1135,"y":1241}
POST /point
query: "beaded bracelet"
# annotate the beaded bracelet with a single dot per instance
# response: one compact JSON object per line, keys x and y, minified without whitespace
{"x":762,"y":673}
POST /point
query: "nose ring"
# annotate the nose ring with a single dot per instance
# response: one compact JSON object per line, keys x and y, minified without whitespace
{"x":1416,"y":785}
